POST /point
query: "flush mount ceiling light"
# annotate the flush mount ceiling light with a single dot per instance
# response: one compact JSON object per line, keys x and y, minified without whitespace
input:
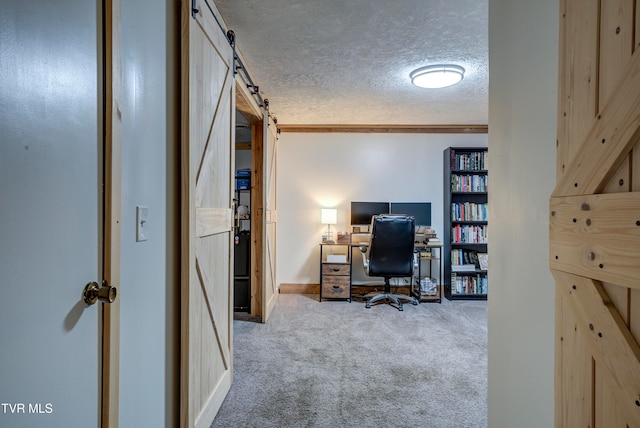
{"x":437,"y":76}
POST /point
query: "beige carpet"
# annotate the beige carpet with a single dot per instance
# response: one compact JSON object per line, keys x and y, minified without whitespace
{"x":337,"y":364}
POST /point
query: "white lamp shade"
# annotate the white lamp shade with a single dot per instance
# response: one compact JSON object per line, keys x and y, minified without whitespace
{"x":329,"y":216}
{"x":243,"y":209}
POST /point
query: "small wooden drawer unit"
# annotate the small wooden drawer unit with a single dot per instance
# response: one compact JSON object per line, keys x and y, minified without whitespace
{"x":336,"y":281}
{"x":335,"y":278}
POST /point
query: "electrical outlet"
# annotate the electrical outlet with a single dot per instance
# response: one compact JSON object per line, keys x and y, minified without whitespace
{"x":142,"y":227}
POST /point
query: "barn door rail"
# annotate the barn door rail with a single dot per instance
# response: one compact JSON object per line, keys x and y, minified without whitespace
{"x":240,"y":68}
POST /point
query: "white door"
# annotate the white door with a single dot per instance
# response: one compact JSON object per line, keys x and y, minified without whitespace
{"x":49,"y":213}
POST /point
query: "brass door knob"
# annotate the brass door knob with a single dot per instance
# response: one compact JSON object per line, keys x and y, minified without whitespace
{"x":93,"y":292}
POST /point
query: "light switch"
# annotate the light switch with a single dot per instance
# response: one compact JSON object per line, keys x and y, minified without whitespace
{"x":141,"y":223}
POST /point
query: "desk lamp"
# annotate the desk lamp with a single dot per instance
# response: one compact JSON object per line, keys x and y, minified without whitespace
{"x":329,"y":216}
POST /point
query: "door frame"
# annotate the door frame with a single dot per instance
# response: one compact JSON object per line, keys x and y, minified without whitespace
{"x":111,"y":137}
{"x":260,"y":121}
{"x":246,"y":104}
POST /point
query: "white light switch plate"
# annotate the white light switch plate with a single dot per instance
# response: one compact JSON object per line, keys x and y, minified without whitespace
{"x":141,"y":223}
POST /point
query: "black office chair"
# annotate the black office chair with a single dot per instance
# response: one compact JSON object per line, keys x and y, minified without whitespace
{"x":390,"y":255}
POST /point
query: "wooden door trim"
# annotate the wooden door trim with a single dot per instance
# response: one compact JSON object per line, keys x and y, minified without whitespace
{"x":254,"y":114}
{"x":187,"y":226}
{"x":112,"y":211}
{"x":257,"y":219}
{"x":387,"y":129}
{"x":246,"y":104}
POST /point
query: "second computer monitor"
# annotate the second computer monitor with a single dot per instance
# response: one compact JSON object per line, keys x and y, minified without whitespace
{"x":420,"y":210}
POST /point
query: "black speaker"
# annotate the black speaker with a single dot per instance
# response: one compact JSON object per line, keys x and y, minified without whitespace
{"x":242,"y":254}
{"x":241,"y":294}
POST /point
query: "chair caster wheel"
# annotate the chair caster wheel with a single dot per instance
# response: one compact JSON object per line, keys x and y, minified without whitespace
{"x":414,"y":303}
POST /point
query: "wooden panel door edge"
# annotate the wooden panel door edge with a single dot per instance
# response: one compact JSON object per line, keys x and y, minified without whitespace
{"x":112,"y":210}
{"x":257,"y":219}
{"x":187,"y":268}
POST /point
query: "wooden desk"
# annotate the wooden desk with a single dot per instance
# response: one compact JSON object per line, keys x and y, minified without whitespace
{"x":434,"y":254}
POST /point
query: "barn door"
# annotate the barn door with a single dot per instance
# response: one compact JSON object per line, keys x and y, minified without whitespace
{"x":264,"y":217}
{"x":595,"y":216}
{"x":207,"y":164}
{"x":271,"y":217}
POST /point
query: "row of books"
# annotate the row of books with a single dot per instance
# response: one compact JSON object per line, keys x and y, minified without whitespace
{"x":469,"y":284}
{"x":469,"y":234}
{"x":469,"y":211}
{"x":469,"y":183}
{"x":475,"y":161}
{"x":464,"y":257}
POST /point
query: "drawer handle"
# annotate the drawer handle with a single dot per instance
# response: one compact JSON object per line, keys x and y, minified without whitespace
{"x":335,"y":269}
{"x":336,"y":286}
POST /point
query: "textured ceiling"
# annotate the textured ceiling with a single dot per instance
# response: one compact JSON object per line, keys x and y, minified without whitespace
{"x":347,"y":62}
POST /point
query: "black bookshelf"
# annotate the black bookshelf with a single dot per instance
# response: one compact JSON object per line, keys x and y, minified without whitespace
{"x":466,"y":223}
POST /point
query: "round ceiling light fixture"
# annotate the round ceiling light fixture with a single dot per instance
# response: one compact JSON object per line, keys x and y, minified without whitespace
{"x":437,"y":76}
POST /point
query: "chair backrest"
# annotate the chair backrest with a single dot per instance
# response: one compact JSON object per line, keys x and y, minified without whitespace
{"x":390,"y":251}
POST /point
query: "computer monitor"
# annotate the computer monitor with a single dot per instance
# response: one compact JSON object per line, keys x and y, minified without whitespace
{"x":361,"y":212}
{"x":420,"y":210}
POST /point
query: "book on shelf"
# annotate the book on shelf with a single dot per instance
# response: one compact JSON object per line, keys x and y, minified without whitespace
{"x":469,"y":211}
{"x":434,"y":241}
{"x":469,"y":234}
{"x":483,"y":261}
{"x":469,"y":161}
{"x":469,"y":183}
{"x":463,"y":268}
{"x":469,"y":284}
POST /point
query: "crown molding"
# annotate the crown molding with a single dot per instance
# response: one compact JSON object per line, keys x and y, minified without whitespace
{"x":387,"y":129}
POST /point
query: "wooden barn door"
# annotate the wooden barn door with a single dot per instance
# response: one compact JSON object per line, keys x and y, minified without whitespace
{"x":207,"y":256}
{"x":271,"y":217}
{"x":264,"y":218}
{"x":595,"y":216}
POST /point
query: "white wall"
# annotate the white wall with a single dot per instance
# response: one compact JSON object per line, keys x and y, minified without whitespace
{"x":149,"y":278}
{"x":522,"y":137}
{"x":327,"y":170}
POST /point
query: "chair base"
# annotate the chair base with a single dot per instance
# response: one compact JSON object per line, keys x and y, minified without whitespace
{"x":390,"y":298}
